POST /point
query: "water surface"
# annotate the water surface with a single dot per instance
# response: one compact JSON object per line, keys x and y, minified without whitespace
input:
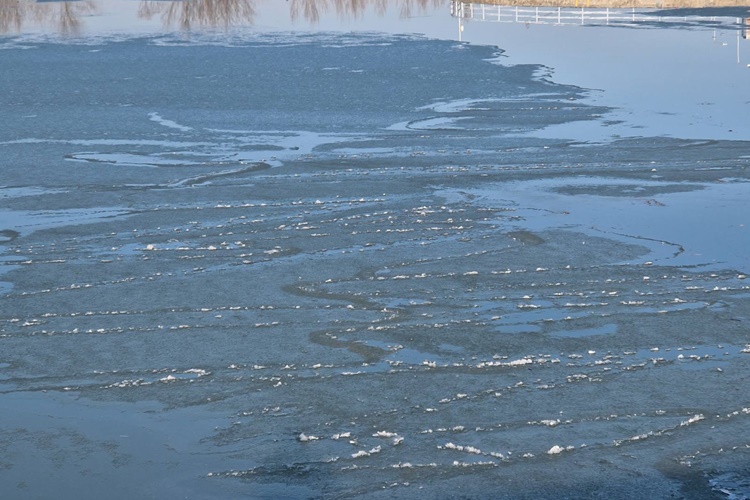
{"x":361,"y":258}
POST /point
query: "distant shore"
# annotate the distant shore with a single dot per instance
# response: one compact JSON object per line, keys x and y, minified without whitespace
{"x":621,"y":4}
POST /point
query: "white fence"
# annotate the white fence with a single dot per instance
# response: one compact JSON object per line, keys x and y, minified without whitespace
{"x":572,"y":15}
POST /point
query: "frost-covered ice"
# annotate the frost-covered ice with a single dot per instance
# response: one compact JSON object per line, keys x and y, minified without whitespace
{"x":156,"y":117}
{"x":354,"y":268}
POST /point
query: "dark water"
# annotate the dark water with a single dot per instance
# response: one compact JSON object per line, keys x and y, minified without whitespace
{"x":339,"y":265}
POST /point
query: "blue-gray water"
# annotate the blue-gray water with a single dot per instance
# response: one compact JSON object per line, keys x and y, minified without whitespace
{"x":347,"y":265}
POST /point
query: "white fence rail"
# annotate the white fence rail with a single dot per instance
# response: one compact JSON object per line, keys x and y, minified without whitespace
{"x":568,"y":15}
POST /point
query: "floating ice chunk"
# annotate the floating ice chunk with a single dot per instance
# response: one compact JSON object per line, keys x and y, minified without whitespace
{"x":198,"y":371}
{"x":363,"y":453}
{"x":520,"y":362}
{"x":456,"y":463}
{"x":404,"y":465}
{"x":156,"y":117}
{"x":304,"y":438}
{"x":551,"y":423}
{"x":467,"y":449}
{"x":128,"y":383}
{"x":692,"y":420}
{"x":384,"y":434}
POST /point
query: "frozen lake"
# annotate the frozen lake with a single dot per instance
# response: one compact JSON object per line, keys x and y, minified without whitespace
{"x":362,"y":258}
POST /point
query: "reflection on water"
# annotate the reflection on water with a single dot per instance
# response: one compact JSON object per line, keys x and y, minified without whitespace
{"x":190,"y":14}
{"x":311,"y":10}
{"x":64,"y":16}
{"x":186,"y":15}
